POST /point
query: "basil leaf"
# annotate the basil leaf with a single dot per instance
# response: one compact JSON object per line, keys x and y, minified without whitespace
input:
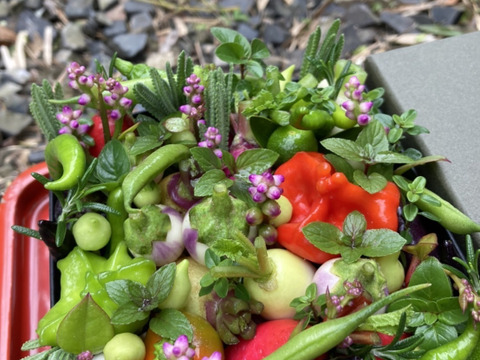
{"x":436,"y":335}
{"x":113,"y":162}
{"x":431,"y":271}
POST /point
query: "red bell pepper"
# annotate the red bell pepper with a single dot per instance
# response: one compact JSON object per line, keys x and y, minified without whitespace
{"x":318,"y":193}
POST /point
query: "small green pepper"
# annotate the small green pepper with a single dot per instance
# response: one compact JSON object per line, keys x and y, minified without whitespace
{"x":459,"y":349}
{"x":66,"y":162}
{"x":149,"y":169}
{"x":320,"y":121}
{"x":115,"y":201}
{"x":84,"y":272}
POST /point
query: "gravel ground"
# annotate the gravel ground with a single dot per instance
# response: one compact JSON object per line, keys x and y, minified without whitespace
{"x":39,"y":38}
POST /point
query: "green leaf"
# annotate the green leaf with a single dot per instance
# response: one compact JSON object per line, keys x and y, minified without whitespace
{"x":325,"y":236}
{"x":410,"y":212}
{"x":351,"y":254}
{"x":422,"y":161}
{"x":259,"y":49}
{"x":85,"y":327}
{"x":128,"y":313}
{"x":231,"y":53}
{"x":354,"y":225}
{"x":262,"y":127}
{"x":255,"y":161}
{"x":381,"y":242}
{"x":176,"y":124}
{"x":255,"y":67}
{"x":118,"y":290}
{"x":170,"y":324}
{"x":371,"y":183}
{"x":431,"y":271}
{"x":221,"y":287}
{"x":373,"y":134}
{"x":225,"y":35}
{"x":344,"y":148}
{"x":204,"y":186}
{"x":206,"y":158}
{"x":161,"y":282}
{"x":341,"y":165}
{"x":26,"y":231}
{"x":143,"y":144}
{"x":232,"y":248}
{"x":44,"y":112}
{"x":390,"y":157}
{"x":113,"y":162}
{"x":436,"y":335}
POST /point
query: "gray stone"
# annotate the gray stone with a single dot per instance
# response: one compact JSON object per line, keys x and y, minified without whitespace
{"x":73,"y":37}
{"x":440,"y":81}
{"x":33,"y":4}
{"x":118,"y":27}
{"x":247,"y":31}
{"x":104,"y":5}
{"x":4,"y":9}
{"x":129,"y":45}
{"x":274,"y":34}
{"x":360,"y":15}
{"x":34,"y":25}
{"x":141,"y":22}
{"x":397,"y":22}
{"x":78,"y":9}
{"x":445,"y":15}
{"x":244,"y":6}
{"x":13,"y":123}
{"x":134,"y":7}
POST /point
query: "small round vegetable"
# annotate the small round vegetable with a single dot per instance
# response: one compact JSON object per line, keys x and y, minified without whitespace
{"x":125,"y":346}
{"x":288,"y":140}
{"x":91,"y":231}
{"x":341,"y":120}
{"x":149,"y":195}
{"x":283,"y":286}
{"x":393,"y":271}
{"x":285,"y":212}
{"x":205,"y":339}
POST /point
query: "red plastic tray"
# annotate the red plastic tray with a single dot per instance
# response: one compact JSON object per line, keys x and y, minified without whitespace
{"x":24,"y":267}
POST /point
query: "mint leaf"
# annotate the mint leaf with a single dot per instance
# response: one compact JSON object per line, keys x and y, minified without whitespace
{"x":204,"y":186}
{"x":344,"y":148}
{"x":206,"y":158}
{"x":371,"y":183}
{"x":113,"y":162}
{"x":255,"y":161}
{"x":170,"y":324}
{"x":381,"y":242}
{"x":390,"y":157}
{"x":325,"y":236}
{"x":161,"y":282}
{"x":350,"y":254}
{"x":128,"y":313}
{"x":118,"y":291}
{"x":373,"y":134}
{"x":354,"y":225}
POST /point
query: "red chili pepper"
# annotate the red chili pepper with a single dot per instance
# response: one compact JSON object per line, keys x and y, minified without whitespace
{"x":318,"y":193}
{"x":96,"y":132}
{"x":269,"y":336}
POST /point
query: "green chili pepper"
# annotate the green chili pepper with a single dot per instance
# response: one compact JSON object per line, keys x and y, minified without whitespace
{"x":459,"y":349}
{"x":320,"y":338}
{"x":66,"y":162}
{"x":85,"y":272}
{"x":115,"y":201}
{"x":449,"y":216}
{"x":320,"y":121}
{"x":150,"y":168}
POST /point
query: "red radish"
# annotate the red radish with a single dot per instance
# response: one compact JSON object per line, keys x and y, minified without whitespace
{"x":269,"y":336}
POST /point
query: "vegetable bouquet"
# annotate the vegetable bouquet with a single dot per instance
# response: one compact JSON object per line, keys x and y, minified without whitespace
{"x":246,"y":212}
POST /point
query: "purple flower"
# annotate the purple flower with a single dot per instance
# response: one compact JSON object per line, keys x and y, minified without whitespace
{"x":180,"y":350}
{"x":265,"y":186}
{"x":215,"y":356}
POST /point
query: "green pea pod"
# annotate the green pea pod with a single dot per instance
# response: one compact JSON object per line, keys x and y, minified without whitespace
{"x":462,"y":348}
{"x":449,"y":216}
{"x":149,"y":169}
{"x":66,"y":162}
{"x":320,"y":338}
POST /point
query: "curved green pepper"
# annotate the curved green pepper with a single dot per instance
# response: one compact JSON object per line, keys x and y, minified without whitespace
{"x":66,"y":162}
{"x":459,"y":349}
{"x":149,"y":169}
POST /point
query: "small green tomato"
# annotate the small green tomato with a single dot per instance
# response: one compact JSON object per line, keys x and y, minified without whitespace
{"x":393,"y":271}
{"x":149,"y":195}
{"x":124,"y":346}
{"x":285,"y":212}
{"x":92,"y":231}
